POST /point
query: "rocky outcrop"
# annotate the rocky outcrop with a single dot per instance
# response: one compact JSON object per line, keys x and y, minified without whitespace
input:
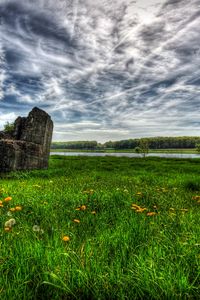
{"x":28,"y":145}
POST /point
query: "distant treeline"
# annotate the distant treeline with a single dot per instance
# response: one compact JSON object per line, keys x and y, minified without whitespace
{"x":185,"y":142}
{"x":88,"y":145}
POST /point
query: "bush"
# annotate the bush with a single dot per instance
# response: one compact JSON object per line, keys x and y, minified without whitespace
{"x":9,"y":127}
{"x":197,"y":148}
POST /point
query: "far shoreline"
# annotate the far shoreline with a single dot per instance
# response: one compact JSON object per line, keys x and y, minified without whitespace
{"x":164,"y":151}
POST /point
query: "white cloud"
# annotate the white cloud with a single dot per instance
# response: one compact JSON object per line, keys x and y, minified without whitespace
{"x":4,"y":118}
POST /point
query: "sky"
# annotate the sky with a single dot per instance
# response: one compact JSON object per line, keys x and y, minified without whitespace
{"x":104,"y":69}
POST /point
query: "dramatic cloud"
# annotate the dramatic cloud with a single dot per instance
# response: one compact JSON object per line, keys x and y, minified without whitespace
{"x":103,"y":69}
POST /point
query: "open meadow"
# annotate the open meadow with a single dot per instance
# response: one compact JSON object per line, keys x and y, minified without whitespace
{"x":101,"y":228}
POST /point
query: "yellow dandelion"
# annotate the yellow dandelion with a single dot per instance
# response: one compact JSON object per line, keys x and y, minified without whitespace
{"x":1,"y":202}
{"x":196,"y":198}
{"x":140,"y":210}
{"x":144,"y":208}
{"x":83,"y":207}
{"x":7,"y":229}
{"x":76,"y":221}
{"x":66,"y":238}
{"x":135,"y":206}
{"x":12,"y":209}
{"x":18,"y":208}
{"x":150,"y":214}
{"x":7,"y":199}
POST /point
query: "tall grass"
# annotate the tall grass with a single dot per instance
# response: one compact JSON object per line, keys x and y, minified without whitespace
{"x":115,"y":251}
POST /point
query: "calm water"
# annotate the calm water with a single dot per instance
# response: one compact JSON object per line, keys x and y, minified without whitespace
{"x":169,"y":155}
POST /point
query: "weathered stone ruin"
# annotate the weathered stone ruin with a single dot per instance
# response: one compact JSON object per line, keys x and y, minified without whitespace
{"x":27,"y":146}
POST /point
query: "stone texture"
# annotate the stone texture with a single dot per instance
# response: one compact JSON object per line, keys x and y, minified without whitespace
{"x":28,"y":146}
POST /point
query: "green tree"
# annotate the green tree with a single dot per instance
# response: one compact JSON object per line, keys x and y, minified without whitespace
{"x":9,"y":127}
{"x":197,"y":147}
{"x":138,"y":150}
{"x":144,"y":146}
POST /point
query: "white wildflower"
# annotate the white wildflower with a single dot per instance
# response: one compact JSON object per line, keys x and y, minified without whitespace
{"x":36,"y":228}
{"x":10,"y":223}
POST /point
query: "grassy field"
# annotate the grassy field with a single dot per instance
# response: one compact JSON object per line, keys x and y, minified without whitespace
{"x":101,"y":228}
{"x":179,"y":151}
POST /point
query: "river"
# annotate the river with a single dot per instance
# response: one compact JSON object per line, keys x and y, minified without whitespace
{"x":124,"y":154}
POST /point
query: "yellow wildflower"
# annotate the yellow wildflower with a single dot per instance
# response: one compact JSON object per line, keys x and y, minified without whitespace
{"x":135,"y":206}
{"x":76,"y":221}
{"x":196,"y":198}
{"x":150,"y":214}
{"x":140,"y":210}
{"x":12,"y":209}
{"x":7,"y":199}
{"x":18,"y":208}
{"x":66,"y":238}
{"x":83,"y":207}
{"x":7,"y":229}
